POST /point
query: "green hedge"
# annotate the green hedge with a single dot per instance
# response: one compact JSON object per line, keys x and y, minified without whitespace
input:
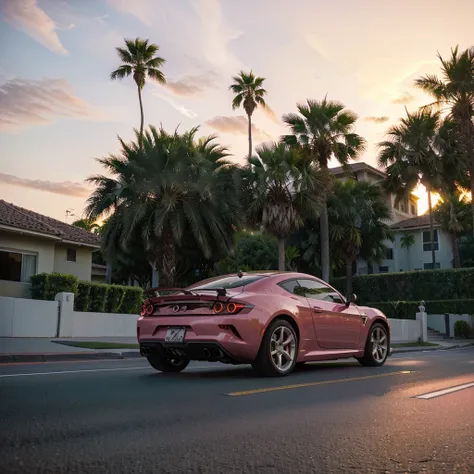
{"x":449,"y":284}
{"x":408,"y":309}
{"x":93,"y":297}
{"x":45,"y":286}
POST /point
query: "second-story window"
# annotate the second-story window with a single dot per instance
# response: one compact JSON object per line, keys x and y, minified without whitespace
{"x":427,"y":240}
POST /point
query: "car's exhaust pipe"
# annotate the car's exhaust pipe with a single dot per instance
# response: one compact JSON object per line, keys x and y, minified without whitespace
{"x":218,"y":353}
{"x":145,"y":351}
{"x":207,"y":353}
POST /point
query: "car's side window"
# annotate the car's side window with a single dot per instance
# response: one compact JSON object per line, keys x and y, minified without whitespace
{"x":291,"y":286}
{"x":317,"y":290}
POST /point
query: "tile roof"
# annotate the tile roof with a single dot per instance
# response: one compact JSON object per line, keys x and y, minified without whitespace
{"x":354,"y":167}
{"x":24,"y":219}
{"x":414,"y":223}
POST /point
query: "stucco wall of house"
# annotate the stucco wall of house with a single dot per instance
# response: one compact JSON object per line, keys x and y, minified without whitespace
{"x":415,"y":257}
{"x":81,"y":268}
{"x":42,"y":248}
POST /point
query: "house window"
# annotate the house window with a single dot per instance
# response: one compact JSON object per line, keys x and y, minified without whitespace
{"x":429,"y":266}
{"x":388,"y":254}
{"x":71,"y":255}
{"x":383,"y":269}
{"x":16,"y":266}
{"x":427,"y":240}
{"x":413,"y":209}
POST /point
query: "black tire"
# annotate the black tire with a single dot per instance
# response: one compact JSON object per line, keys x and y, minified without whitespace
{"x":369,"y":359}
{"x":163,"y":364}
{"x":264,"y":363}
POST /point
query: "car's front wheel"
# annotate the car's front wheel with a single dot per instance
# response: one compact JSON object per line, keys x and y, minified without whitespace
{"x":165,"y":364}
{"x":376,"y":347}
{"x":278,"y":351}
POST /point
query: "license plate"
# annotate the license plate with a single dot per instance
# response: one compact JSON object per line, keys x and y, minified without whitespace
{"x":175,"y":334}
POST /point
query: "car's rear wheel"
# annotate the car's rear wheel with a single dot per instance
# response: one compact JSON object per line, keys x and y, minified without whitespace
{"x":278,"y":351}
{"x":376,"y":347}
{"x":165,"y":364}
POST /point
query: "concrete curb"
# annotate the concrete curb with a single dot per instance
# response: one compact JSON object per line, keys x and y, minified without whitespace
{"x":68,"y":356}
{"x":401,"y":350}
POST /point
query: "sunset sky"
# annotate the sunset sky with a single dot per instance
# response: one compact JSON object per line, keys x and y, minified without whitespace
{"x":59,"y":110}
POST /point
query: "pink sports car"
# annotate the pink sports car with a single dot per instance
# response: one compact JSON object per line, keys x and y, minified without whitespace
{"x":272,"y":320}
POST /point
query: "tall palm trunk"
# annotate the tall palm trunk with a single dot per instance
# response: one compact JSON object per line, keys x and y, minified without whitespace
{"x":349,"y":289}
{"x":168,"y":263}
{"x":430,"y":210}
{"x":281,"y":255}
{"x":142,"y":116}
{"x":324,"y":229}
{"x":456,"y":256}
{"x":250,"y":133}
{"x":472,"y":187}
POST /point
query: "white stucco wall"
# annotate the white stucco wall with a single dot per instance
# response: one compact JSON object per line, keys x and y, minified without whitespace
{"x":21,"y":317}
{"x":81,"y":268}
{"x":404,"y":330}
{"x":104,"y":324}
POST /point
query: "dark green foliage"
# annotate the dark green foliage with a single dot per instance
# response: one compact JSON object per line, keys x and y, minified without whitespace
{"x":408,"y":309}
{"x":98,"y":297}
{"x":45,"y":286}
{"x":82,"y":297}
{"x":462,"y":329}
{"x":425,"y":285}
{"x":114,"y":298}
{"x":466,"y":251}
{"x":132,"y":300}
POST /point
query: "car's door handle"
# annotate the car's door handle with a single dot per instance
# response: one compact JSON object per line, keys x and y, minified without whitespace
{"x":317,"y":309}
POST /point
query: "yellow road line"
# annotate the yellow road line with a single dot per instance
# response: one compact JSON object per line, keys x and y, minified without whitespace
{"x":314,"y":384}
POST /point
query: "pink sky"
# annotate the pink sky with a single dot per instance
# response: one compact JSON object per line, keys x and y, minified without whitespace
{"x":59,"y":110}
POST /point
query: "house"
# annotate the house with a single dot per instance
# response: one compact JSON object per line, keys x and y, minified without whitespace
{"x":405,"y":220}
{"x":31,"y":243}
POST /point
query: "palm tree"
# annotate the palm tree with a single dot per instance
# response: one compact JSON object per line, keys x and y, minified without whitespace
{"x":415,"y":152}
{"x":87,"y":224}
{"x":357,"y":224}
{"x":248,"y":92}
{"x":406,"y":242}
{"x":139,"y":59}
{"x":452,"y":212}
{"x":324,"y":130}
{"x":456,"y":92}
{"x":169,"y":187}
{"x":282,"y":187}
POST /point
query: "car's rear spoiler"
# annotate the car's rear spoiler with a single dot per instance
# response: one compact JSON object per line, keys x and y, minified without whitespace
{"x":156,"y":291}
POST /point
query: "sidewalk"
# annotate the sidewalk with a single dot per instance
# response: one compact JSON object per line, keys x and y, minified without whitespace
{"x":33,"y":349}
{"x":56,"y":350}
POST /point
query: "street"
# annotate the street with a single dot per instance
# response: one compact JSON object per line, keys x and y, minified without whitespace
{"x":122,"y":416}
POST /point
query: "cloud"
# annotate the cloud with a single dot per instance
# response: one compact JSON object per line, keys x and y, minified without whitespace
{"x":26,"y":103}
{"x":65,"y":188}
{"x":271,"y":115}
{"x":28,"y":17}
{"x":192,"y":85}
{"x":404,"y":99}
{"x":377,"y":119}
{"x":140,"y":9}
{"x":180,"y":108}
{"x":236,"y":126}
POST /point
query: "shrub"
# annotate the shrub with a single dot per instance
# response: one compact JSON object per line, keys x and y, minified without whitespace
{"x":98,"y":296}
{"x":114,"y":298}
{"x":45,"y":286}
{"x":408,"y":309}
{"x":132,"y":300}
{"x":82,"y":297}
{"x":449,"y":284}
{"x":462,"y":329}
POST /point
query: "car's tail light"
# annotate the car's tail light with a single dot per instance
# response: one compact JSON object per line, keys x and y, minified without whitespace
{"x":149,"y":309}
{"x":218,"y":307}
{"x":233,"y":308}
{"x":230,"y":308}
{"x":143,"y":310}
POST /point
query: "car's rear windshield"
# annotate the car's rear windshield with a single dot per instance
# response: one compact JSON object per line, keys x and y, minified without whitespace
{"x":229,"y":282}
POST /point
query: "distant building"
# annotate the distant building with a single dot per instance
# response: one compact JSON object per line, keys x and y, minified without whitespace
{"x":31,"y":243}
{"x":405,"y":219}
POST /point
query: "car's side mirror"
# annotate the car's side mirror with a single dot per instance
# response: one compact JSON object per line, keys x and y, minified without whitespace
{"x":352,"y":299}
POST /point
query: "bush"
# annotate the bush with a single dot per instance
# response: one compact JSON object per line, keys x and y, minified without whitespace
{"x":462,"y":329}
{"x":408,"y":309}
{"x":132,"y":300}
{"x":98,"y":297}
{"x":46,"y":286}
{"x":82,"y":297}
{"x":449,"y":284}
{"x":114,"y":298}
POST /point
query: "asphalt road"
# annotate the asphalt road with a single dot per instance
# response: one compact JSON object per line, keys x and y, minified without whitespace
{"x":122,"y":417}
